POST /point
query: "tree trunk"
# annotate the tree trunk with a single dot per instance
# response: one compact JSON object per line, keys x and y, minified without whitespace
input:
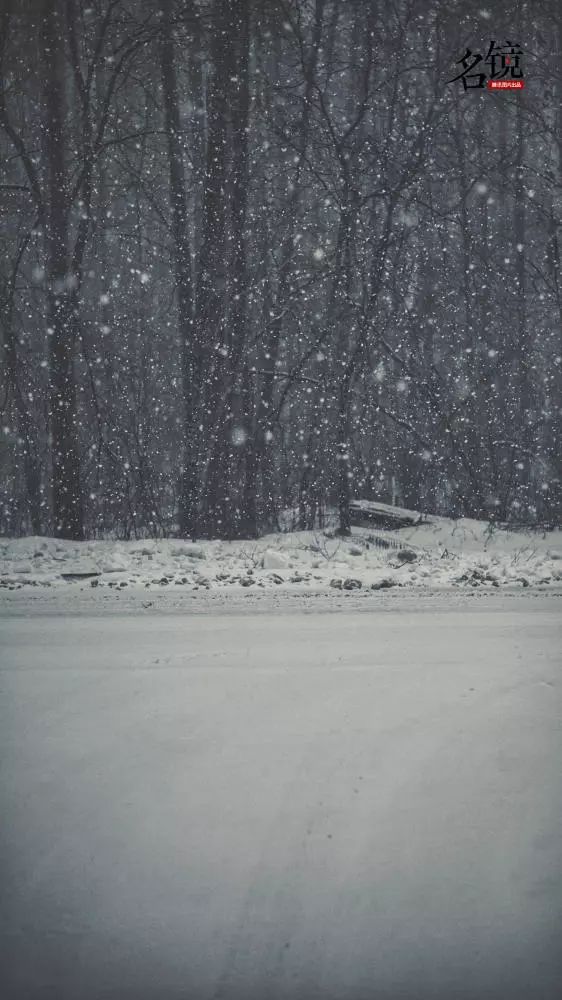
{"x":61,"y":315}
{"x":31,"y":467}
{"x":190,"y":360}
{"x":223,"y":282}
{"x":523,"y":346}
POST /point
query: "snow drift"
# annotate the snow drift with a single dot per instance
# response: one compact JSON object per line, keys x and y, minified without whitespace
{"x":440,"y":553}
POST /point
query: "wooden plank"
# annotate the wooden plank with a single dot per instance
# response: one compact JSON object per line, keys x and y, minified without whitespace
{"x":369,"y":512}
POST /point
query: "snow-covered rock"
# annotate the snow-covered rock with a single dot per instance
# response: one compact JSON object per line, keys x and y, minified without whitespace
{"x":273,"y":559}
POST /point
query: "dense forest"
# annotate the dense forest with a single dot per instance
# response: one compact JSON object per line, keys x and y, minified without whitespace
{"x":260,"y":255}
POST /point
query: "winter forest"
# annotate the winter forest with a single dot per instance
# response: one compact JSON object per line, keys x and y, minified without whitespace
{"x":259,"y":256}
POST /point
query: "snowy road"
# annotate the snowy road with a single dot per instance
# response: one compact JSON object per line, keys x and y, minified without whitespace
{"x":354,"y":806}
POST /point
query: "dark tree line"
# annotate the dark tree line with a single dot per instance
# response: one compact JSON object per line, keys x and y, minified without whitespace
{"x":259,"y":255}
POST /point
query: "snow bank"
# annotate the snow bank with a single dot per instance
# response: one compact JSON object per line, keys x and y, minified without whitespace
{"x":439,"y":554}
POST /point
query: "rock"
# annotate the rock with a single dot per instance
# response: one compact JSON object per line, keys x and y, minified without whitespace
{"x":195,"y":552}
{"x":355,"y":550}
{"x":22,"y":567}
{"x":273,"y":559}
{"x":79,"y":575}
{"x":336,"y":583}
{"x":275,"y":578}
{"x":177,"y":552}
{"x":351,"y":584}
{"x":114,"y":565}
{"x":472,"y":577}
{"x":384,"y":584}
{"x":406,"y":556}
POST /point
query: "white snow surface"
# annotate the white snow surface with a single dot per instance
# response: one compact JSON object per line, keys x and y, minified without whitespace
{"x":444,"y":553}
{"x":281,"y":806}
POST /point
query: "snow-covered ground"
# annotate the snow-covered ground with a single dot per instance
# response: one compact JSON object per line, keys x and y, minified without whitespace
{"x":281,"y":806}
{"x":440,"y":554}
